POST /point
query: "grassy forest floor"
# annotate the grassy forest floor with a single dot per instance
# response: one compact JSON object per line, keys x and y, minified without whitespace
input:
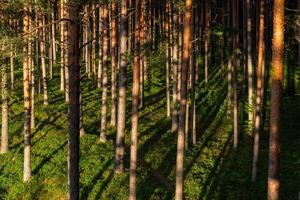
{"x":213,"y":170}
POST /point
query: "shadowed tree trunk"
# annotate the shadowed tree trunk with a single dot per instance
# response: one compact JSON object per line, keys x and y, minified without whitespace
{"x":259,"y":82}
{"x":73,"y":63}
{"x":277,"y":65}
{"x":183,"y":100}
{"x":119,"y":157}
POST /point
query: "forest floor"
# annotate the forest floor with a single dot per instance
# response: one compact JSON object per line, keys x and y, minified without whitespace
{"x":213,"y":170}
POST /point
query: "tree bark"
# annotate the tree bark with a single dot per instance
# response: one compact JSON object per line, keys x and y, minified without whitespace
{"x":259,"y":83}
{"x":175,"y":72}
{"x":119,"y":157}
{"x":249,"y":63}
{"x":4,"y":92}
{"x":135,"y":105}
{"x":105,"y":74}
{"x":26,"y":90}
{"x":114,"y":63}
{"x":73,"y":63}
{"x":43,"y":55}
{"x":277,"y":65}
{"x":62,"y":48}
{"x":183,"y":100}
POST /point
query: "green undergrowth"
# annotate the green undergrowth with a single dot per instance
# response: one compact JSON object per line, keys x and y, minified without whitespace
{"x":213,"y":169}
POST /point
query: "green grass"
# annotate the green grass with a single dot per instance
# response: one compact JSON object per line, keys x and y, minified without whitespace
{"x":213,"y":170}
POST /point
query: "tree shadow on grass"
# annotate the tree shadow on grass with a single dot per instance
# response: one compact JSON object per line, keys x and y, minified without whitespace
{"x":87,"y":189}
{"x":48,"y":158}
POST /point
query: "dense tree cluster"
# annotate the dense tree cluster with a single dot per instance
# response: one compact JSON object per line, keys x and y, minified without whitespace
{"x":101,"y":41}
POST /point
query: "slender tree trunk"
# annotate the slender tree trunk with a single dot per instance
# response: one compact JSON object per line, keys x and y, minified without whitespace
{"x":249,"y":63}
{"x":175,"y":72}
{"x":105,"y":74}
{"x":135,"y":105}
{"x":236,"y":65}
{"x":94,"y":43}
{"x":114,"y":63}
{"x":66,"y":56}
{"x":100,"y":53}
{"x":43,"y":56}
{"x":4,"y":92}
{"x":62,"y":47}
{"x":26,"y":90}
{"x":119,"y":157}
{"x":168,"y":56}
{"x":259,"y":95}
{"x":53,"y":28}
{"x":12,"y":74}
{"x":277,"y":66}
{"x":73,"y":64}
{"x":183,"y":100}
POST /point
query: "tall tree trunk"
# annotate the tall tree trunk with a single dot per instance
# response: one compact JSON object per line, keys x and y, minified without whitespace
{"x":62,"y":47}
{"x":105,"y":74}
{"x":119,"y":157}
{"x":100,"y":53}
{"x":277,"y":65}
{"x":135,"y":105}
{"x":4,"y":124}
{"x":66,"y":56}
{"x":236,"y":65}
{"x":183,"y":100}
{"x":114,"y":63}
{"x":168,"y":56}
{"x":12,"y":74}
{"x":249,"y":63}
{"x":53,"y":28}
{"x":94,"y":43}
{"x":73,"y":64}
{"x":43,"y":55}
{"x":175,"y":71}
{"x":26,"y":90}
{"x":259,"y":95}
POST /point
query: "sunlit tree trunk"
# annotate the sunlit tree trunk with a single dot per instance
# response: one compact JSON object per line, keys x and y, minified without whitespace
{"x":94,"y":43}
{"x":183,"y":100}
{"x":259,"y":96}
{"x":43,"y":55}
{"x":4,"y":93}
{"x":66,"y":56}
{"x":175,"y":71}
{"x":168,"y":55}
{"x":105,"y":74}
{"x":114,"y":63}
{"x":100,"y":53}
{"x":249,"y":63}
{"x":135,"y":105}
{"x":62,"y":47}
{"x":276,"y":88}
{"x":26,"y":90}
{"x":119,"y":157}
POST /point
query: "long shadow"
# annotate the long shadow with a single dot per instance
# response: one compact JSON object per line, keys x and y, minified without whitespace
{"x":87,"y":189}
{"x":48,"y":158}
{"x":104,"y":185}
{"x":217,"y":167}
